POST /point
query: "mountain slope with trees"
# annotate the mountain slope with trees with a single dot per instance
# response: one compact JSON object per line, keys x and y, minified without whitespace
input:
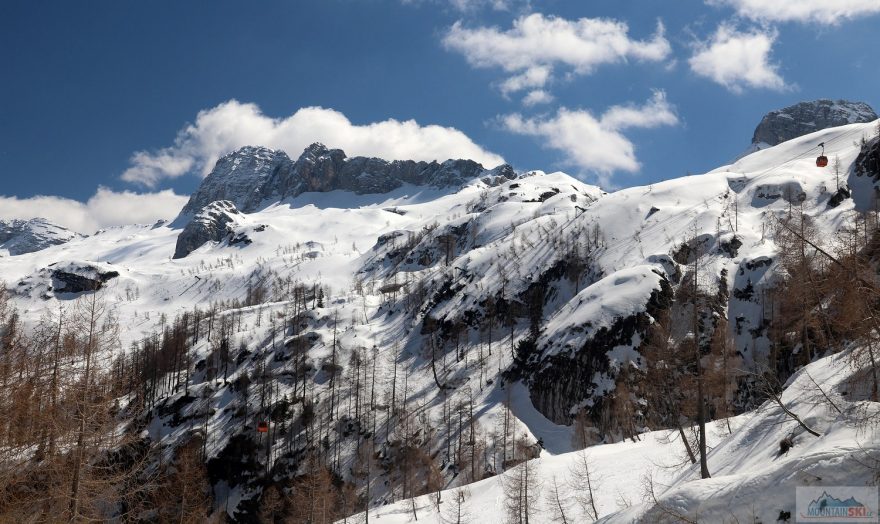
{"x":338,"y":350}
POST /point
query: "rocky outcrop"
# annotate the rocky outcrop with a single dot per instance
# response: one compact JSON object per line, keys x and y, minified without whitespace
{"x":211,"y":224}
{"x":18,"y":237}
{"x":807,"y":117}
{"x":868,"y":161}
{"x":253,"y":176}
{"x":565,"y":381}
{"x":76,"y":277}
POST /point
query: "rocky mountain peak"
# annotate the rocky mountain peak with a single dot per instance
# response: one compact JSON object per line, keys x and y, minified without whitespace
{"x":313,"y":151}
{"x":807,"y":117}
{"x":259,"y":152}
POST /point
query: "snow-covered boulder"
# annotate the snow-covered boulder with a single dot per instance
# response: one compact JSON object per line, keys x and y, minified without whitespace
{"x":80,"y":277}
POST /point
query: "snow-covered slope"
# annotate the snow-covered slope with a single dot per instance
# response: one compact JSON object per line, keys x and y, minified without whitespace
{"x":753,"y":480}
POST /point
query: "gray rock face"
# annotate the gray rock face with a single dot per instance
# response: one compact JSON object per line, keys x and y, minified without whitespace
{"x":807,"y":117}
{"x":240,"y":177}
{"x":27,"y":236}
{"x":210,"y":224}
{"x":868,"y":161}
{"x":252,"y":176}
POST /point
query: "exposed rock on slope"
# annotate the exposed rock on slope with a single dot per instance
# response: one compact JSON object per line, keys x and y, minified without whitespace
{"x":578,"y":352}
{"x":80,"y":277}
{"x":211,"y":224}
{"x":27,"y":236}
{"x":868,"y":161}
{"x":807,"y":117}
{"x":251,"y":175}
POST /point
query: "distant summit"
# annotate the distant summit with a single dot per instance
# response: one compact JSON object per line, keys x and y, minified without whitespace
{"x":18,"y":237}
{"x":252,"y":176}
{"x":807,"y":117}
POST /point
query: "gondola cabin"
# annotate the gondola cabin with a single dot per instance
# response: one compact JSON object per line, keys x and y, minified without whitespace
{"x":822,"y":160}
{"x":263,"y":427}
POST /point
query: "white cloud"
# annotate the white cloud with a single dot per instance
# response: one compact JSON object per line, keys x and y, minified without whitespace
{"x":538,"y":96}
{"x":536,"y":44}
{"x":532,"y":77}
{"x":474,"y":5}
{"x":596,"y":144}
{"x":105,"y":208}
{"x":233,"y":124}
{"x":738,"y":59}
{"x":470,"y":5}
{"x":823,"y":11}
{"x":148,"y":168}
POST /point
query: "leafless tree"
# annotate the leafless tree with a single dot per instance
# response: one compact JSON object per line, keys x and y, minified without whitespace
{"x":582,"y":482}
{"x":522,"y":489}
{"x":558,"y":503}
{"x":456,"y":511}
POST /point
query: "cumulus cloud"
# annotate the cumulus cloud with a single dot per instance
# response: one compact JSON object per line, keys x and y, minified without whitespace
{"x":538,"y":96}
{"x":233,"y":124}
{"x":738,"y":59}
{"x":532,"y":77}
{"x":104,"y":209}
{"x":536,"y":44}
{"x":596,"y":144}
{"x":823,"y":11}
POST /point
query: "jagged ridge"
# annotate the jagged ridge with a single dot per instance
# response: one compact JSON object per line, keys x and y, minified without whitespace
{"x":251,"y":176}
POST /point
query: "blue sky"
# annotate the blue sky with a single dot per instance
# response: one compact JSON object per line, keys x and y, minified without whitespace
{"x":98,"y":94}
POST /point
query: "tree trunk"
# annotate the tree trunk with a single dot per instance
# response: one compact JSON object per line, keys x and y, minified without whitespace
{"x":687,"y":445}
